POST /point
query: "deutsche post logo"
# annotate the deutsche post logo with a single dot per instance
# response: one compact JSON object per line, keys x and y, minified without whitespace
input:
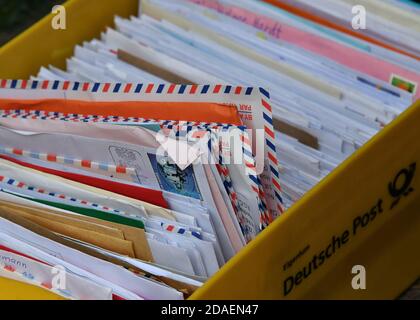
{"x":401,"y":186}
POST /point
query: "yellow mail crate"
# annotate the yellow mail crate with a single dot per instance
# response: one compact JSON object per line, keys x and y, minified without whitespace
{"x":366,"y":212}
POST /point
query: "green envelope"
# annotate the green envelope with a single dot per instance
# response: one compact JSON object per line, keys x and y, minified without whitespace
{"x":87,"y":212}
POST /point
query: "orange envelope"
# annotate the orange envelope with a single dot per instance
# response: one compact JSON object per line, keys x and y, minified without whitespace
{"x":179,"y":111}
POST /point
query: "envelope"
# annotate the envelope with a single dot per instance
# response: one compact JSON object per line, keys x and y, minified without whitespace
{"x":27,"y":250}
{"x":30,"y":183}
{"x":156,"y":272}
{"x":70,"y":220}
{"x":379,"y":26}
{"x":349,"y":57}
{"x":186,"y":111}
{"x":82,"y":190}
{"x":81,"y":210}
{"x":151,"y":68}
{"x":206,"y":194}
{"x":230,"y":222}
{"x":192,"y":210}
{"x":298,"y":133}
{"x":119,"y":245}
{"x":331,"y":24}
{"x":135,"y":235}
{"x":173,"y":256}
{"x":252,"y":105}
{"x":100,"y":269}
{"x":132,"y":191}
{"x":37,"y":273}
{"x":280,"y":125}
{"x":157,"y":13}
{"x":143,"y":133}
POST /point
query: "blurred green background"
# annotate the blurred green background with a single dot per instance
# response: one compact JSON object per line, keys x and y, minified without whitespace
{"x":17,"y":15}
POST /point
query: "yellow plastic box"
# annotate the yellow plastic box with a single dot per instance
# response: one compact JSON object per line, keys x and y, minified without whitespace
{"x":366,"y":212}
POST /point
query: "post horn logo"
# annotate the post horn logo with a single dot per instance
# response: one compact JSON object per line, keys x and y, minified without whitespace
{"x":401,"y":186}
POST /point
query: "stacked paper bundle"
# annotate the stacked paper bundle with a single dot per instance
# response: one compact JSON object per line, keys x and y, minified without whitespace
{"x":330,"y":92}
{"x":157,"y":178}
{"x":177,"y":137}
